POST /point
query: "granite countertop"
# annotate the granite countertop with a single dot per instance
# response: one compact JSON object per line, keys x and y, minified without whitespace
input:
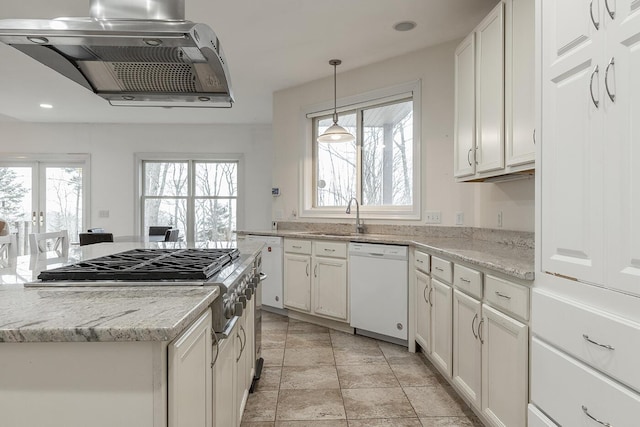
{"x":98,"y":313}
{"x":504,"y":252}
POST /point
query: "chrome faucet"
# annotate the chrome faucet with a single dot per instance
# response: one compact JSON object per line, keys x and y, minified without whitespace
{"x":359,"y":225}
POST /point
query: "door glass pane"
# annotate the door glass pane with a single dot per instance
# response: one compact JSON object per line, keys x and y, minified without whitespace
{"x":166,"y":179}
{"x":63,"y":198}
{"x":387,"y":155}
{"x":217,"y":179}
{"x":215,"y":219}
{"x":335,"y":165}
{"x":166,"y":212}
{"x":16,"y":202}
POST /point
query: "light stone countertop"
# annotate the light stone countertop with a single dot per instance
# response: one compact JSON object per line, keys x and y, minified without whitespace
{"x":102,"y":313}
{"x":503,"y":252}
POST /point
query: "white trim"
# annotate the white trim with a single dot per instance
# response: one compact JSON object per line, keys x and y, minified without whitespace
{"x":196,"y":157}
{"x":375,"y":97}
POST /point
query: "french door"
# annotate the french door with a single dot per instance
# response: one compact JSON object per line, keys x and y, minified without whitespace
{"x":43,"y":196}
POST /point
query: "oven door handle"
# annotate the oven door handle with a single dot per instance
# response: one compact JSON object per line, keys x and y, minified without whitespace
{"x":263,"y":276}
{"x":227,"y":332}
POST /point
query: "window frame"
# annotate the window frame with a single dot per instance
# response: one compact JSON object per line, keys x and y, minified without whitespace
{"x":376,"y":98}
{"x":191,"y":159}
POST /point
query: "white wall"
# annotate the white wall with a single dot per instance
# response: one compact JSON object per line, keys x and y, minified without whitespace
{"x":112,"y":149}
{"x":480,"y":202}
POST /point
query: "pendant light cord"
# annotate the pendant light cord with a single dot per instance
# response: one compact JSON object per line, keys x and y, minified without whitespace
{"x":335,"y":95}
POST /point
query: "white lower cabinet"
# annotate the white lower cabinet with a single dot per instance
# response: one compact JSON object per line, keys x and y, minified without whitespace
{"x":190,"y":376}
{"x":241,"y":360}
{"x":423,"y":311}
{"x":505,"y":373}
{"x":441,"y":320}
{"x":297,"y":282}
{"x":467,"y":347}
{"x":330,"y":287}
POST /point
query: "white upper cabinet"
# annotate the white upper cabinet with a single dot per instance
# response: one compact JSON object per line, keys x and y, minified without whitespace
{"x":490,"y":92}
{"x":465,"y":108}
{"x":519,"y":82}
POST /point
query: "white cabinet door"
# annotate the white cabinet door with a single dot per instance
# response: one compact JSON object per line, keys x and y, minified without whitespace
{"x":225,"y":383}
{"x":465,"y":108}
{"x":423,"y":311}
{"x":297,"y":282}
{"x":241,"y":361}
{"x":505,"y":370}
{"x":490,"y":92}
{"x":330,"y":288}
{"x":190,"y":376}
{"x":622,"y":195}
{"x":441,"y":326}
{"x":519,"y":82}
{"x":572,"y":152}
{"x":467,"y":349}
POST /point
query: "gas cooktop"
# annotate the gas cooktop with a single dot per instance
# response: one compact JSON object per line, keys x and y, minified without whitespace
{"x":147,"y":265}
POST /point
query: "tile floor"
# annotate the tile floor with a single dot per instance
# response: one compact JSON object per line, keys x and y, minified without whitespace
{"x":316,"y":377}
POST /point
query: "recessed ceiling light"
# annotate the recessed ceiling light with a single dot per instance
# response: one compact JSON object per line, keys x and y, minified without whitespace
{"x":404,"y":26}
{"x":46,"y":106}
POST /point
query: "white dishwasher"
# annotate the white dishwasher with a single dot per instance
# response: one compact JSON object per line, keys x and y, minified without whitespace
{"x":379,"y":289}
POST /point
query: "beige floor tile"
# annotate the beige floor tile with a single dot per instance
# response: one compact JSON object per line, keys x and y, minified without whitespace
{"x":366,"y":403}
{"x":448,"y":422}
{"x":258,"y":424}
{"x":261,"y":406}
{"x":275,"y":326}
{"x":434,"y":402}
{"x":358,"y":355}
{"x":415,"y":374}
{"x":308,"y":340}
{"x":344,"y":340}
{"x":310,"y":405}
{"x":304,"y":327}
{"x":325,"y":423}
{"x":268,"y":316}
{"x":308,"y":356}
{"x":309,"y":377}
{"x":386,"y":422}
{"x":274,"y":339}
{"x":398,"y":354}
{"x":273,"y":356}
{"x":366,"y":376}
{"x":269,"y":378}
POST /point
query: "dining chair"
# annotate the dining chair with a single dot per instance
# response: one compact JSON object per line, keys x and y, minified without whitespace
{"x":92,"y":238}
{"x":8,"y":246}
{"x":54,"y":241}
{"x":159,"y":230}
{"x":95,"y":230}
{"x":171,"y":235}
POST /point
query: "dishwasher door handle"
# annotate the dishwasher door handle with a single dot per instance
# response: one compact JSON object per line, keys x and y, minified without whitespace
{"x":375,"y":254}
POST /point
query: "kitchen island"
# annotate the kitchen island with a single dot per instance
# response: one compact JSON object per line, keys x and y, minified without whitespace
{"x":104,"y":356}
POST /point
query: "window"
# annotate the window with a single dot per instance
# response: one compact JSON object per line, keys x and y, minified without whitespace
{"x":200,"y":198}
{"x":381,"y":168}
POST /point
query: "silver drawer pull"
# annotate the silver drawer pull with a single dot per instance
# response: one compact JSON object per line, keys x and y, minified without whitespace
{"x":586,"y":337}
{"x":329,"y":250}
{"x":439,"y":269}
{"x":420,"y":261}
{"x":586,"y":411}
{"x":462,"y":279}
{"x":296,"y":247}
{"x":503,"y":295}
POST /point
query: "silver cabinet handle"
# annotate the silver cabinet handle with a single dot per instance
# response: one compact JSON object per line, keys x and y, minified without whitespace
{"x":534,"y":136}
{"x":501,"y":295}
{"x":296,"y":247}
{"x":611,"y":13}
{"x":439,"y":269}
{"x":41,"y":219}
{"x":480,"y":331}
{"x":430,"y":303}
{"x":329,"y":250}
{"x":607,"y":346}
{"x":612,"y":96}
{"x":215,"y":338}
{"x":596,"y":70}
{"x":307,"y":269}
{"x":239,"y":355}
{"x":595,"y":24}
{"x":420,"y":261}
{"x":473,"y":322}
{"x":424,"y":294}
{"x":469,"y":156}
{"x":315,"y":271}
{"x":462,"y":279}
{"x":586,"y":412}
{"x":33,"y":218}
{"x":244,"y":344}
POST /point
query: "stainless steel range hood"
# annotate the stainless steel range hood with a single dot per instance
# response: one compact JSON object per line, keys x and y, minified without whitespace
{"x":130,"y":52}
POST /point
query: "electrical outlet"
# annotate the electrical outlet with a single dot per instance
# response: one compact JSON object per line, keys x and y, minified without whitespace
{"x":103,"y":214}
{"x":500,"y":219}
{"x":432,"y":217}
{"x":459,"y":218}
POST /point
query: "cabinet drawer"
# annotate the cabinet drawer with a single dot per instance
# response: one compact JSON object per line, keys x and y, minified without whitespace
{"x":297,"y":246}
{"x":507,"y":296}
{"x":581,"y":323}
{"x":538,"y":419}
{"x":422,"y":262}
{"x":467,"y":280}
{"x":585,"y":392}
{"x":441,"y":269}
{"x":330,"y":249}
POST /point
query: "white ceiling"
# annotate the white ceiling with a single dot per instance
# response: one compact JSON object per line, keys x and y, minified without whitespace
{"x":270,"y":45}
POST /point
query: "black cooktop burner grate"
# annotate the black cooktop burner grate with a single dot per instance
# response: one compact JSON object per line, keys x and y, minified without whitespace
{"x":147,"y":264}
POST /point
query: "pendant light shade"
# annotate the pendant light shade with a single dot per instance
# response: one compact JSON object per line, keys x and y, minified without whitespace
{"x":335,"y":133}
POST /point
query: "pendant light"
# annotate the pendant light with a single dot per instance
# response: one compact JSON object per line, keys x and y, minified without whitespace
{"x":335,"y":133}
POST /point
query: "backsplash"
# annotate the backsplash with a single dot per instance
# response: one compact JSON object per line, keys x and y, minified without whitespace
{"x":522,"y":239}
